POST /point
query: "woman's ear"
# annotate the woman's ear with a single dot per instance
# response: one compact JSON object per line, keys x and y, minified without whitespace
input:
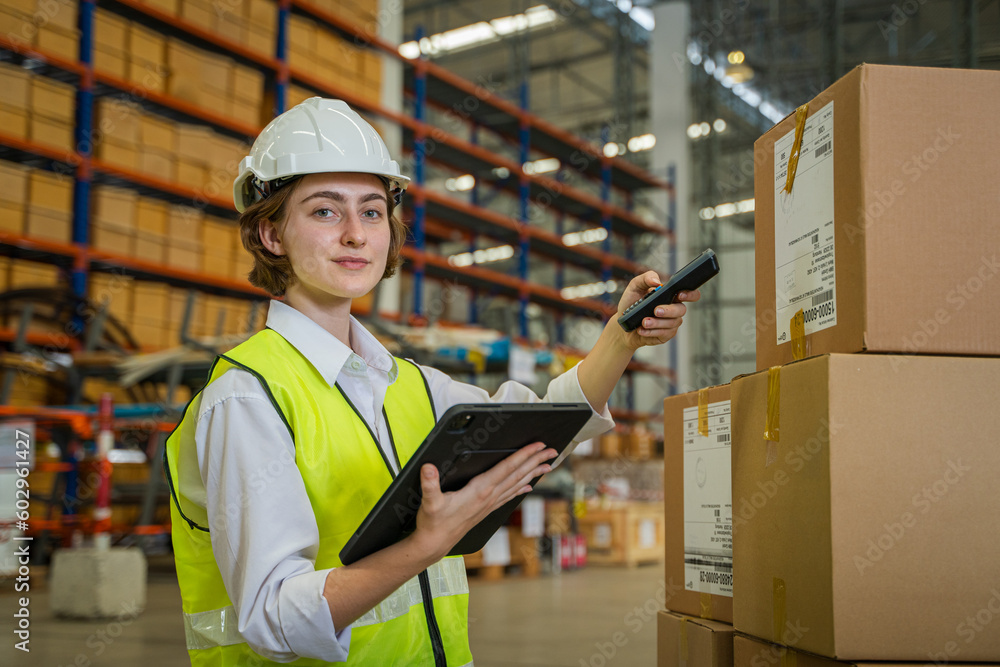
{"x":270,"y":238}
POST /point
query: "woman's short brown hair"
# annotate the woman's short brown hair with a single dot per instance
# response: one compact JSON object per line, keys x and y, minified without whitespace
{"x":273,"y":273}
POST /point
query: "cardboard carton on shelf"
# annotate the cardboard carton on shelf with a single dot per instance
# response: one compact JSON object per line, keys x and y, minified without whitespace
{"x":116,"y":121}
{"x":217,"y":73}
{"x":114,"y":292}
{"x":184,"y":71}
{"x":47,"y":224}
{"x":151,"y":216}
{"x":198,"y":13}
{"x":155,"y":133}
{"x":184,"y":224}
{"x":190,"y":174}
{"x":16,"y":25}
{"x":50,"y":190}
{"x":146,"y":45}
{"x":110,"y":30}
{"x":60,"y":42}
{"x":111,"y":61}
{"x":51,"y":133}
{"x":191,"y":142}
{"x":150,"y":300}
{"x":231,"y":26}
{"x":690,"y":641}
{"x":626,"y":533}
{"x":184,"y":255}
{"x":59,"y":13}
{"x":16,"y":82}
{"x":24,"y":273}
{"x":698,"y":502}
{"x":12,"y":217}
{"x":14,"y":121}
{"x":147,"y":75}
{"x":117,"y":155}
{"x":868,"y":243}
{"x":166,"y":6}
{"x":861,"y":516}
{"x":157,"y":164}
{"x":150,"y":246}
{"x":248,"y":85}
{"x":111,"y":237}
{"x":15,"y":179}
{"x":53,"y":99}
{"x":115,"y":205}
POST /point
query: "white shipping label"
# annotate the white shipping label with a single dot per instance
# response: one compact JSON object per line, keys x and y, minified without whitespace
{"x":647,"y":534}
{"x":805,"y":274}
{"x":708,"y":502}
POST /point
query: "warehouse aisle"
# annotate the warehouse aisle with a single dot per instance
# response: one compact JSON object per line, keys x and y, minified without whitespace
{"x":511,"y":623}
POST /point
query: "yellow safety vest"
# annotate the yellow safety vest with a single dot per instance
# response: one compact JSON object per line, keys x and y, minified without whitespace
{"x":345,"y":473}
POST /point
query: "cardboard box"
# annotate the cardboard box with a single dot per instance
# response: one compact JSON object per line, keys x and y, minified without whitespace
{"x":217,"y":235}
{"x":690,"y":641}
{"x":888,"y":160}
{"x":52,"y":133}
{"x":115,"y":205}
{"x":114,"y":292}
{"x":866,"y":521}
{"x":698,"y":502}
{"x":147,"y":75}
{"x":60,"y":42}
{"x":151,"y":216}
{"x":53,"y":99}
{"x":14,"y":121}
{"x":117,"y":121}
{"x":60,"y":13}
{"x":150,"y":247}
{"x":198,"y":13}
{"x":12,"y":218}
{"x":184,"y":66}
{"x":192,"y":175}
{"x":262,"y":13}
{"x":186,"y":256}
{"x":231,"y":27}
{"x":626,"y":534}
{"x":111,"y":237}
{"x":15,"y":183}
{"x":110,"y":30}
{"x":752,"y":652}
{"x":184,"y":225}
{"x":217,"y":73}
{"x":15,"y":81}
{"x":146,"y":45}
{"x":116,"y":155}
{"x":191,"y":143}
{"x":261,"y":39}
{"x":157,"y":164}
{"x":16,"y":26}
{"x":32,"y":274}
{"x":150,"y":301}
{"x":49,"y":225}
{"x":157,"y":133}
{"x":111,"y":62}
{"x":51,"y":191}
{"x":165,"y":6}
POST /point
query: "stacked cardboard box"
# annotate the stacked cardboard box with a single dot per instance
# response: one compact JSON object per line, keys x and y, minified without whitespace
{"x":53,"y":106}
{"x":114,"y":292}
{"x":150,"y":231}
{"x":13,"y":197}
{"x":25,"y":273}
{"x":338,"y":62}
{"x":111,"y":33}
{"x":116,"y":135}
{"x":47,"y":25}
{"x":16,"y":83}
{"x":50,"y":206}
{"x":217,"y":246}
{"x":112,"y":220}
{"x":158,"y":142}
{"x":184,"y":249}
{"x":148,"y":322}
{"x":698,"y":525}
{"x":623,"y":533}
{"x":147,"y":58}
{"x":861,"y":526}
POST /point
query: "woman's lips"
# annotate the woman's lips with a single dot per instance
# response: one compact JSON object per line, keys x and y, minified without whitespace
{"x":352,"y":263}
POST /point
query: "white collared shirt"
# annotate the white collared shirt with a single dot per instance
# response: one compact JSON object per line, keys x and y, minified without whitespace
{"x":264,"y":532}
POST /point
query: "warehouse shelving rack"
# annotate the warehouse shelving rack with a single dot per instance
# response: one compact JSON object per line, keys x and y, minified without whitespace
{"x":435,"y":215}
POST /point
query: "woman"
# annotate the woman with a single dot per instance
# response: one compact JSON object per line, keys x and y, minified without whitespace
{"x":300,"y":429}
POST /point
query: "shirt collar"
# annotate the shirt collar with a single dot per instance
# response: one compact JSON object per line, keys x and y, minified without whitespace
{"x":322,"y":349}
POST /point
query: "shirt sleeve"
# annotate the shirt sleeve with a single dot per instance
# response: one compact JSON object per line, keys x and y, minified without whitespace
{"x":263,"y":529}
{"x":564,"y":388}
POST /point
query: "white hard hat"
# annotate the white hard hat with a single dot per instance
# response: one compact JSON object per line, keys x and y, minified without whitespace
{"x":316,"y":136}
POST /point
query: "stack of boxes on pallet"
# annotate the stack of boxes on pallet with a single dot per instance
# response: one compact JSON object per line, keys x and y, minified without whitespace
{"x":36,"y":108}
{"x":48,"y":25}
{"x":863,"y":450}
{"x":317,"y":51}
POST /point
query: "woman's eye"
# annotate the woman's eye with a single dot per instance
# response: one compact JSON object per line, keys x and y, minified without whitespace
{"x":373,"y":214}
{"x":323,"y":212}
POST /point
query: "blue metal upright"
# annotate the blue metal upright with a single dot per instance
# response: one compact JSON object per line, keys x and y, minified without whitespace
{"x":281,"y":53}
{"x":419,"y":159}
{"x":83,"y":138}
{"x":524,"y":192}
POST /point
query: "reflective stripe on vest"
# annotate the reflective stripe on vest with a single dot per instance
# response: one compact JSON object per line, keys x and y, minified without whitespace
{"x":219,"y":627}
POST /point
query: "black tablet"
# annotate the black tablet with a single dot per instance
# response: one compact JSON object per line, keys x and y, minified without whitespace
{"x":468,"y":439}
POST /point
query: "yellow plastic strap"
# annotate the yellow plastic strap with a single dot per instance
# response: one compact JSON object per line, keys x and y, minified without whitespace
{"x":683,"y":646}
{"x":703,"y":412}
{"x":772,"y":431}
{"x":706,"y":604}
{"x":779,"y":609}
{"x":793,"y":159}
{"x":798,"y":328}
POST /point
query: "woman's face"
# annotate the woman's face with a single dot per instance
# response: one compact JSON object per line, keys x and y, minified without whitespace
{"x":336,"y":235}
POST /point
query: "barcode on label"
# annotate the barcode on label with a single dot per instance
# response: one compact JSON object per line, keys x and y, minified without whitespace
{"x":815,"y":239}
{"x":822,"y":297}
{"x":722,"y":437}
{"x":822,"y":150}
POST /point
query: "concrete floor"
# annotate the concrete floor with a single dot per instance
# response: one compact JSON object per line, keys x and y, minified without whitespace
{"x":590,"y":618}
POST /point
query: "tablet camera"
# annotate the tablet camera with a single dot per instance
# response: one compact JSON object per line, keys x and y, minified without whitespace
{"x":460,"y":423}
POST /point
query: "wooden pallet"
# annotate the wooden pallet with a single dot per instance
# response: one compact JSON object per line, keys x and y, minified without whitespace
{"x":524,"y":559}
